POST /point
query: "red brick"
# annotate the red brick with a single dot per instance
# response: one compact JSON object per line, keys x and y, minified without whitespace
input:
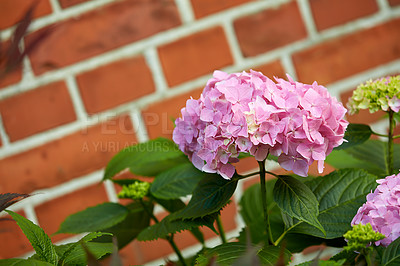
{"x":37,"y":110}
{"x":348,"y":55}
{"x":16,"y":243}
{"x":270,"y":29}
{"x":12,"y":11}
{"x":273,"y":69}
{"x":363,"y":116}
{"x":101,"y":30}
{"x":394,"y":2}
{"x":329,"y":13}
{"x":64,"y":159}
{"x":196,"y":55}
{"x":159,"y":117}
{"x":52,"y":213}
{"x":11,"y":78}
{"x":68,"y":3}
{"x":204,"y":8}
{"x":114,"y":84}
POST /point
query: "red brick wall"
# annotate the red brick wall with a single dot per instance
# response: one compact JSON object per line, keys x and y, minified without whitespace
{"x":115,"y":72}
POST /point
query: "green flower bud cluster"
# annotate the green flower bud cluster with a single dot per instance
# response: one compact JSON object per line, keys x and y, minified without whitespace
{"x":136,"y":190}
{"x":380,"y":94}
{"x":361,"y":236}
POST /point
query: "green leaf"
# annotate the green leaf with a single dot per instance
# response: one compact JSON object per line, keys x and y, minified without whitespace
{"x":176,"y":182}
{"x":322,"y":263}
{"x":170,"y":225}
{"x":339,"y":194}
{"x":227,"y":254}
{"x":251,"y":210}
{"x":146,"y":159}
{"x":78,"y":255}
{"x":39,"y":240}
{"x":297,"y":200}
{"x":211,"y":194}
{"x":24,"y":262}
{"x":94,"y":218}
{"x":369,"y":156}
{"x":270,"y":255}
{"x":127,"y":230}
{"x":171,"y":205}
{"x":84,"y":239}
{"x":349,"y":257}
{"x":355,"y":134}
{"x":391,"y":255}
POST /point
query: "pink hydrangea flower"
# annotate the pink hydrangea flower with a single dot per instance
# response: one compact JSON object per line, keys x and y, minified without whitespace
{"x":250,"y":113}
{"x":382,"y":209}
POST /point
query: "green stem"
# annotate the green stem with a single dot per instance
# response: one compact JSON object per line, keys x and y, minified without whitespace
{"x":248,"y":175}
{"x":378,"y":134}
{"x":390,"y":143}
{"x":221,"y":229}
{"x":264,"y":201}
{"x":367,"y":258}
{"x":169,"y":238}
{"x":283,"y":235}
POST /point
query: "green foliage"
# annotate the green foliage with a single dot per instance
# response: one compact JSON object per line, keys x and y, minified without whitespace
{"x":170,"y":225}
{"x":128,"y":229}
{"x":391,"y":255}
{"x":355,"y":134}
{"x":39,"y":240}
{"x":89,"y":237}
{"x":94,"y":218}
{"x":211,"y":194}
{"x":229,"y":253}
{"x":251,"y":210}
{"x":297,"y":200}
{"x":369,"y":156}
{"x":323,"y":263}
{"x":146,"y":159}
{"x":78,"y":254}
{"x":176,"y":182}
{"x":339,"y":194}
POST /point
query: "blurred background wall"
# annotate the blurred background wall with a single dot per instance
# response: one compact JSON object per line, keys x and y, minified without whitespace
{"x":115,"y":72}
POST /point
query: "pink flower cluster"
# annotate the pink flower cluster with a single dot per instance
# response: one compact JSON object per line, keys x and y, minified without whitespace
{"x":250,"y":113}
{"x":382,"y":209}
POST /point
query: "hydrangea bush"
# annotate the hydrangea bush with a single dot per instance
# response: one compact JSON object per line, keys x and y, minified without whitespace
{"x":250,"y":113}
{"x":355,"y":207}
{"x":382,"y":210}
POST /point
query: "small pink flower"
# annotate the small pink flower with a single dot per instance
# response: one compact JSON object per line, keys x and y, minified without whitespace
{"x":250,"y":113}
{"x":382,"y":209}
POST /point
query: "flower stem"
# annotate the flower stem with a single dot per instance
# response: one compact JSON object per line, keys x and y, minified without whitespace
{"x":169,"y":238}
{"x":390,"y":143}
{"x":264,"y":201}
{"x":221,"y":229}
{"x":248,"y":175}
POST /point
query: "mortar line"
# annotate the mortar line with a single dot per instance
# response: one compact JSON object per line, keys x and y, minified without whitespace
{"x":155,"y":66}
{"x":185,"y":11}
{"x":233,"y":42}
{"x":76,"y":98}
{"x":307,"y":17}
